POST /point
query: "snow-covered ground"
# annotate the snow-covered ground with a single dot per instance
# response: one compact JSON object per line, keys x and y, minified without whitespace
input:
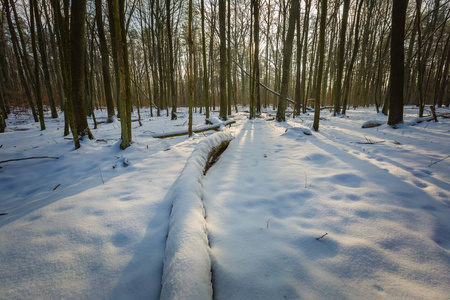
{"x":93,"y":223}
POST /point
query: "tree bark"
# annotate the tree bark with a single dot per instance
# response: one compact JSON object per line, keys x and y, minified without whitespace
{"x":120,"y":57}
{"x":191,"y":67}
{"x":256,"y":61}
{"x":321,"y":51}
{"x":105,"y":61}
{"x":223,"y":61}
{"x":78,"y":57}
{"x":348,"y":75}
{"x":171,"y":90}
{"x":36,"y":68}
{"x":287,"y":55}
{"x":17,"y":55}
{"x":229,"y":86}
{"x":304,"y":96}
{"x":340,"y":59}
{"x":397,"y":62}
{"x":205,"y":69}
{"x":43,"y":51}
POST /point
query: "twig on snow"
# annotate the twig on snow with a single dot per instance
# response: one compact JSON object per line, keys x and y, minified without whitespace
{"x":101,"y":176}
{"x":267,"y":226}
{"x":26,"y":158}
{"x":433,"y":163}
{"x":321,"y":236}
{"x":369,"y":142}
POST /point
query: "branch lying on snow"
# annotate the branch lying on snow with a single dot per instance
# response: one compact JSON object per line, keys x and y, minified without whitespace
{"x":369,"y":142}
{"x":433,"y":163}
{"x":321,"y":236}
{"x":195,"y":130}
{"x":26,"y":158}
{"x":374,"y":123}
{"x":443,"y":115}
{"x":420,"y":120}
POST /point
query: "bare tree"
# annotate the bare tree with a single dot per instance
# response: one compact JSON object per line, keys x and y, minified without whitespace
{"x":397,"y":62}
{"x":287,"y":54}
{"x":223,"y":61}
{"x":321,"y":53}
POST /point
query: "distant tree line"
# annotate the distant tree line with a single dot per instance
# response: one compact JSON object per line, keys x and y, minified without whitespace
{"x":80,"y":55}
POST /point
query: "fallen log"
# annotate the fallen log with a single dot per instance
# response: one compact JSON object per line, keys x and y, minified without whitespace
{"x":420,"y":120}
{"x":195,"y":130}
{"x":187,"y":244}
{"x":371,"y":124}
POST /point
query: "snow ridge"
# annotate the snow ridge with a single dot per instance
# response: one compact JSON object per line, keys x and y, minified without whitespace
{"x":187,"y":264}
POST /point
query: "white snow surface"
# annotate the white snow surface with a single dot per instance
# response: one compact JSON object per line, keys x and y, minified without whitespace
{"x":88,"y":226}
{"x":385,"y":211}
{"x":187,"y":266}
{"x":100,"y":234}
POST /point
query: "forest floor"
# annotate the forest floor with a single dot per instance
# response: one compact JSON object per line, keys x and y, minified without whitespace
{"x":92,"y":224}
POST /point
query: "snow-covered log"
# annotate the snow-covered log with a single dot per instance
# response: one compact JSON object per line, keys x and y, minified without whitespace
{"x":187,"y":264}
{"x":419,"y":120}
{"x":371,"y":124}
{"x":195,"y":130}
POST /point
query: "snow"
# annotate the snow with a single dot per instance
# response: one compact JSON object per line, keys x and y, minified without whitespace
{"x":371,"y":123}
{"x":187,"y":266}
{"x":216,"y":124}
{"x":98,"y":222}
{"x":385,"y":212}
{"x":86,"y":239}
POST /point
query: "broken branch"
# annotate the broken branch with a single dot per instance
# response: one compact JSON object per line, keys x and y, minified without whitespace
{"x":433,"y":163}
{"x":321,"y":236}
{"x":27,"y":158}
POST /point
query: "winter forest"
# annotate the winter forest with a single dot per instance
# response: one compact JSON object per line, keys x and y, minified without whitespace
{"x":212,"y":149}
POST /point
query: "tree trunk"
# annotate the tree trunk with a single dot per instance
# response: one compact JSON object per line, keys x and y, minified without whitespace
{"x":36,"y":68}
{"x":256,"y":61}
{"x":340,"y":59}
{"x":171,"y":90}
{"x":321,"y":51}
{"x":223,"y":62}
{"x":419,"y":58}
{"x":191,"y":67}
{"x":78,"y":57}
{"x":62,"y":29}
{"x":298,"y":73}
{"x":205,"y":69}
{"x":229,"y":86}
{"x":397,"y":62}
{"x":120,"y":57}
{"x":444,"y":78}
{"x":43,"y":51}
{"x":287,"y":55}
{"x":348,"y":75}
{"x":105,"y":61}
{"x":17,"y":55}
{"x":305,"y":54}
